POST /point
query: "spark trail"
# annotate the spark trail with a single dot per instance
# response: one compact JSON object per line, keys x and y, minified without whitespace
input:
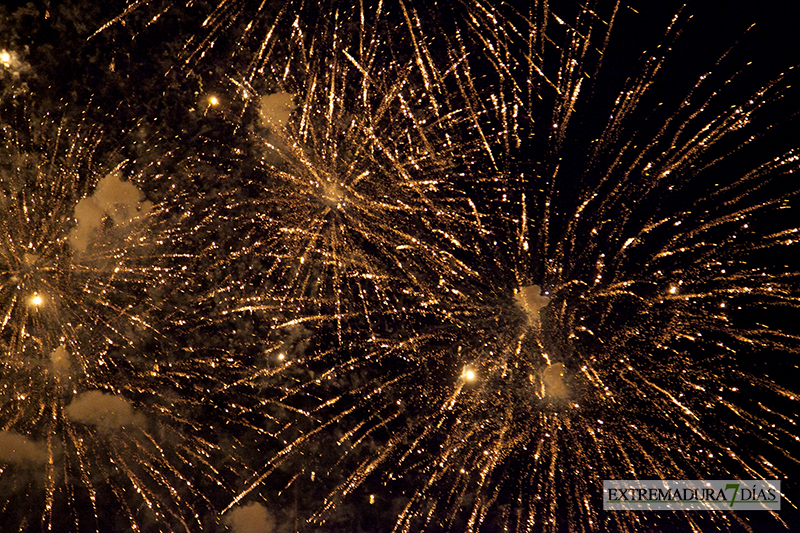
{"x":498,"y":406}
{"x":507,"y":299}
{"x":94,"y":417}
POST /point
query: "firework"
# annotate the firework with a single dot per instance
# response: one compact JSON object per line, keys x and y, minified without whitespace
{"x":471,"y":301}
{"x":93,"y":427}
{"x":604,"y":317}
{"x":344,"y":210}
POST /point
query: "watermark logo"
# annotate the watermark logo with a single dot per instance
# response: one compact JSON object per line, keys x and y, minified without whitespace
{"x":692,"y":495}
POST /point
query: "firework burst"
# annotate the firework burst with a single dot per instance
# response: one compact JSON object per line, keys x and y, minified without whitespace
{"x":602,"y":310}
{"x":348,"y":213}
{"x":92,"y":413}
{"x":513,"y":288}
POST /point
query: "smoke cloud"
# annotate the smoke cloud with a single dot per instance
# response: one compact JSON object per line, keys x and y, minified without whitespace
{"x":113,"y":199}
{"x":106,"y":411}
{"x":250,"y":518}
{"x":532,"y":301}
{"x":275,"y":110}
{"x":16,"y":448}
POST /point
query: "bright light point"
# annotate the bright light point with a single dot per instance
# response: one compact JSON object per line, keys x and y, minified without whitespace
{"x":36,"y":300}
{"x":5,"y":58}
{"x":281,"y":356}
{"x":213,"y":100}
{"x":673,"y":289}
{"x":469,"y":375}
{"x":371,"y":498}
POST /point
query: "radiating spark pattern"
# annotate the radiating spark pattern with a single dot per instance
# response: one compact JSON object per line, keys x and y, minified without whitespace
{"x":94,"y":430}
{"x":474,"y":298}
{"x":601,"y":307}
{"x":345,"y":213}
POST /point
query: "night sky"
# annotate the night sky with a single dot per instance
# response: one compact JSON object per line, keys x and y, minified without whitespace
{"x":332,"y":267}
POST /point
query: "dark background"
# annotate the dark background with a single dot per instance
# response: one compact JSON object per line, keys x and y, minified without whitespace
{"x":127,"y":79}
